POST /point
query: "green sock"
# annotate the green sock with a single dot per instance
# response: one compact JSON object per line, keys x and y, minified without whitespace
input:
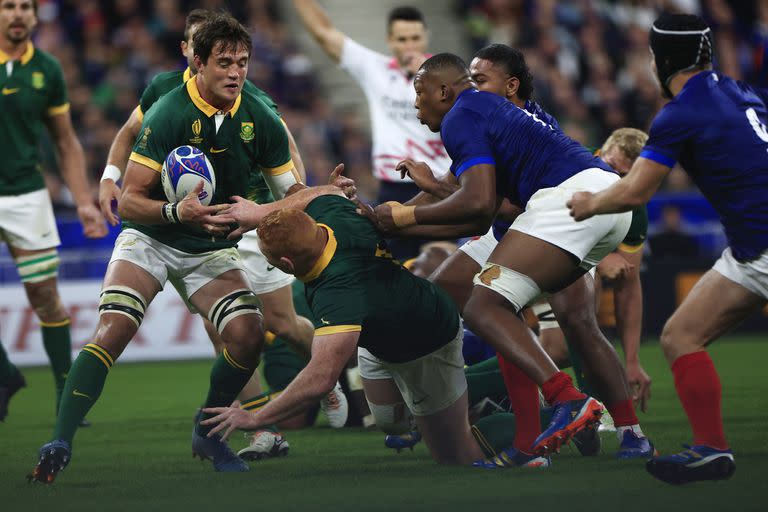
{"x":227,"y":379}
{"x":484,"y":379}
{"x":497,"y":431}
{"x":7,"y":369}
{"x":578,"y":371}
{"x":82,"y":389}
{"x":259,"y":401}
{"x":58,"y":346}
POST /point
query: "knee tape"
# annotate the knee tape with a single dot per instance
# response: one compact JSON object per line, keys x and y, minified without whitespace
{"x":517,"y":288}
{"x":394,"y":419}
{"x":354,"y":379}
{"x":123,"y":301}
{"x":38,"y":267}
{"x":545,"y":315}
{"x":238,"y":303}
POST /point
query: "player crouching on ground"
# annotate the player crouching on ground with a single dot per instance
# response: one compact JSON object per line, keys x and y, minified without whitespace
{"x":401,"y":323}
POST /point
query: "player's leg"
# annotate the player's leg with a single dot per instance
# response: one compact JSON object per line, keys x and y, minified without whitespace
{"x":574,"y":308}
{"x":127,"y":291}
{"x":551,"y":336}
{"x":38,"y":269}
{"x":253,"y":386}
{"x":386,"y":403}
{"x":434,"y":389}
{"x":722,"y":298}
{"x":11,"y":380}
{"x":455,"y":277}
{"x":233,"y":309}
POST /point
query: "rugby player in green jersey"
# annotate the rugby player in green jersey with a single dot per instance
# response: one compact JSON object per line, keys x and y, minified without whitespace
{"x":271,"y":285}
{"x":33,"y":96}
{"x":354,"y":293}
{"x":177,"y":242}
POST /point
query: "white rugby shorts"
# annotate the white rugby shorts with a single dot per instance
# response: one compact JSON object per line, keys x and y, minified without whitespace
{"x":428,"y":384}
{"x":547,"y":218}
{"x":27,"y":221}
{"x":186,"y":272}
{"x":752,"y":275}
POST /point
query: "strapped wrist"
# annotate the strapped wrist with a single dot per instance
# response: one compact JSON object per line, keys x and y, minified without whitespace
{"x":170,"y":213}
{"x":402,"y":216}
{"x":111,"y":172}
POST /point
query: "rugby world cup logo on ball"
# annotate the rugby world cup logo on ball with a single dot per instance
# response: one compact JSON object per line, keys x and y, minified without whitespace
{"x":183,"y":169}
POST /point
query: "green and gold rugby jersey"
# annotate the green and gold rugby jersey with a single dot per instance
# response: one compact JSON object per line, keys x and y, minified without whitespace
{"x":351,"y":288}
{"x":251,"y":137}
{"x":32,"y":90}
{"x":163,"y":83}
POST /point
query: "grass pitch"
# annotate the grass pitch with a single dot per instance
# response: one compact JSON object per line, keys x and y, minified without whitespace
{"x":137,"y":455}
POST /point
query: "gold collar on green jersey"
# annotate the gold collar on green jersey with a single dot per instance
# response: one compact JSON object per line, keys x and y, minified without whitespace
{"x":208,"y":109}
{"x":187,"y":74}
{"x":325,"y":258}
{"x":26,"y":56}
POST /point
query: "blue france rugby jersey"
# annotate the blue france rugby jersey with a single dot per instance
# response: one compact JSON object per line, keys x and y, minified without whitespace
{"x":529,"y":154}
{"x":500,"y":227}
{"x":716,"y":129}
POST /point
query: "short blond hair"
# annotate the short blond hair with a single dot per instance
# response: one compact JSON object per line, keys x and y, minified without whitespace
{"x":630,"y":141}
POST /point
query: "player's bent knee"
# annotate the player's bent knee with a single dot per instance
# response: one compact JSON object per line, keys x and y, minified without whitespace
{"x":233,"y":305}
{"x":123,"y":300}
{"x":518,"y":289}
{"x":392,"y":419}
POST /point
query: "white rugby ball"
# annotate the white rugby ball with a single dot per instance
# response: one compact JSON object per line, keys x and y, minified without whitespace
{"x":183,"y":169}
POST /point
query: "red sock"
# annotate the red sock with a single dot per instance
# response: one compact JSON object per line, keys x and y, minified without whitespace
{"x":623,"y":413}
{"x":559,"y":388}
{"x":698,"y":387}
{"x":524,"y":397}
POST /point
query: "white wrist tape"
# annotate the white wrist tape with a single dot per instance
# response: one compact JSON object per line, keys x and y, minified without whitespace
{"x":112,"y":172}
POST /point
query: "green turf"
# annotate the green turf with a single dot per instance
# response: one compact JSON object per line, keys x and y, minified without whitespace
{"x":137,"y":455}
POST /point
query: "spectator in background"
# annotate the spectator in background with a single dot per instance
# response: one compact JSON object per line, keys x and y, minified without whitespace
{"x":672,"y":243}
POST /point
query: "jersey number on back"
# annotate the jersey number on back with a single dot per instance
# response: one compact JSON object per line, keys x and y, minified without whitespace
{"x":757,"y":125}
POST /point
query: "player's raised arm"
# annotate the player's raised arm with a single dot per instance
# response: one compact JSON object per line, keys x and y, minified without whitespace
{"x":636,"y":189}
{"x":72,"y":161}
{"x":117,"y":159}
{"x":318,"y":23}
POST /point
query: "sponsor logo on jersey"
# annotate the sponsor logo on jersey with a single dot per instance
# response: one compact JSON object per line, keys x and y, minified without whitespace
{"x":7,"y":92}
{"x":197,"y":127}
{"x":38,"y":80}
{"x":214,"y":150}
{"x":246,"y":132}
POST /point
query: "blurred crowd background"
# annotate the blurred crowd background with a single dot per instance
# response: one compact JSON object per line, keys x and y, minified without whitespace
{"x":589,"y":58}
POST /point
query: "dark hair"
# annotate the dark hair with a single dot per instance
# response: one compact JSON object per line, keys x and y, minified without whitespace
{"x":220,"y":28}
{"x":405,"y":13}
{"x":195,"y":17}
{"x":514,"y":65}
{"x":444,"y":61}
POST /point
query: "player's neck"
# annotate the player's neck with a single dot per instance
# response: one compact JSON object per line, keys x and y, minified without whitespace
{"x":205,"y":93}
{"x":14,"y":51}
{"x":679,"y":80}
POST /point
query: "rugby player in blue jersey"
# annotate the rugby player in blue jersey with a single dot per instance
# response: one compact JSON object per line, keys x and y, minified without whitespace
{"x":715,"y":128}
{"x":501,"y":151}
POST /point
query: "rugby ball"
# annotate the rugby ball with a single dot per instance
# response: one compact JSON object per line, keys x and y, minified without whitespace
{"x":183,"y":169}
